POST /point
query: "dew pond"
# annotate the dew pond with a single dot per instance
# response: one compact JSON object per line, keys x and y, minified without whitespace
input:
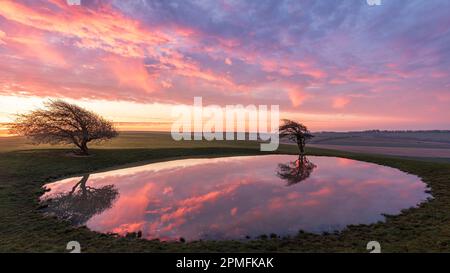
{"x":235,"y":197}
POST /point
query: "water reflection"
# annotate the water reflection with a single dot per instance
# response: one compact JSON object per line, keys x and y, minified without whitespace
{"x":231,"y":198}
{"x":82,"y":202}
{"x":295,"y":171}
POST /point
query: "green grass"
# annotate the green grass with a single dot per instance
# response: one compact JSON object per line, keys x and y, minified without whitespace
{"x":126,"y":140}
{"x":24,"y":229}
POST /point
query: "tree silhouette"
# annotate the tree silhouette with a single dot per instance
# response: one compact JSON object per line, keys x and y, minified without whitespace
{"x":82,"y":202}
{"x":295,"y":171}
{"x":296,"y":132}
{"x":64,"y":123}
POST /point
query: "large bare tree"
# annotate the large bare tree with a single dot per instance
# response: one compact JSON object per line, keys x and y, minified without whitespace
{"x":296,"y":132}
{"x":64,"y":123}
{"x":82,"y":202}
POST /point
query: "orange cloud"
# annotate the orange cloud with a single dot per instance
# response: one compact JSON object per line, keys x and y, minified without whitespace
{"x":297,"y":97}
{"x":340,"y":102}
{"x":2,"y":36}
{"x":105,"y":29}
{"x":129,"y":227}
{"x":35,"y":47}
{"x":110,"y":31}
{"x":131,"y":72}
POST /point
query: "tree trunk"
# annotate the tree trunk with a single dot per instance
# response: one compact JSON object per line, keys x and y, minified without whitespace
{"x":301,"y":147}
{"x":84,"y":149}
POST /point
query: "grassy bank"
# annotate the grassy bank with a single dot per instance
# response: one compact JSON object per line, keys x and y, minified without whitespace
{"x":24,"y":229}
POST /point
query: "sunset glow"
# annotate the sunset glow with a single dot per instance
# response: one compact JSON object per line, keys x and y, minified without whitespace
{"x":334,"y":65}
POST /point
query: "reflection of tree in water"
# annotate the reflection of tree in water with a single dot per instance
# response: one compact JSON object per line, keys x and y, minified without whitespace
{"x":295,"y":171}
{"x":82,"y":202}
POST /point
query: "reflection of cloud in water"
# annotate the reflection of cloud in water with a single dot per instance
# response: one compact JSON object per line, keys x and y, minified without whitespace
{"x":233,"y":197}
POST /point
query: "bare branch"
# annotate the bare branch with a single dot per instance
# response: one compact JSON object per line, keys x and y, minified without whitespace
{"x":296,"y":132}
{"x":63,"y":123}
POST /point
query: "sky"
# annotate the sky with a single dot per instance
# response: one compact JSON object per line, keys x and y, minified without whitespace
{"x":333,"y":65}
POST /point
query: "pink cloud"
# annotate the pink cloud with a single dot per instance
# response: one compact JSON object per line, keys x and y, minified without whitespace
{"x":233,"y":211}
{"x":326,"y":191}
{"x":131,"y":73}
{"x":297,"y":96}
{"x":340,"y":102}
{"x":228,"y":61}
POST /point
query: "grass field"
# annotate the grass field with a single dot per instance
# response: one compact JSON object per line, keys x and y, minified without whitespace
{"x":24,"y":169}
{"x":405,"y":139}
{"x":429,"y":145}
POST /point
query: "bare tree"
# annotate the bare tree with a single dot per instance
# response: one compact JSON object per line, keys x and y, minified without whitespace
{"x":64,"y":123}
{"x":296,"y":171}
{"x":82,"y":202}
{"x":296,"y":132}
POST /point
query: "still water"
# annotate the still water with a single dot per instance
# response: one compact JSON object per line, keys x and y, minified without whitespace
{"x":234,"y":197}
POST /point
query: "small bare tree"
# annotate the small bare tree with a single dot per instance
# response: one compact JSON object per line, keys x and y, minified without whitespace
{"x":296,"y":171}
{"x":64,"y":123}
{"x":296,"y":132}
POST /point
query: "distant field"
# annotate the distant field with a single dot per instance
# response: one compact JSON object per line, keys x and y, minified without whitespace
{"x":395,"y":151}
{"x":416,"y":139}
{"x":425,"y":144}
{"x":126,"y":140}
{"x":430,"y":144}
